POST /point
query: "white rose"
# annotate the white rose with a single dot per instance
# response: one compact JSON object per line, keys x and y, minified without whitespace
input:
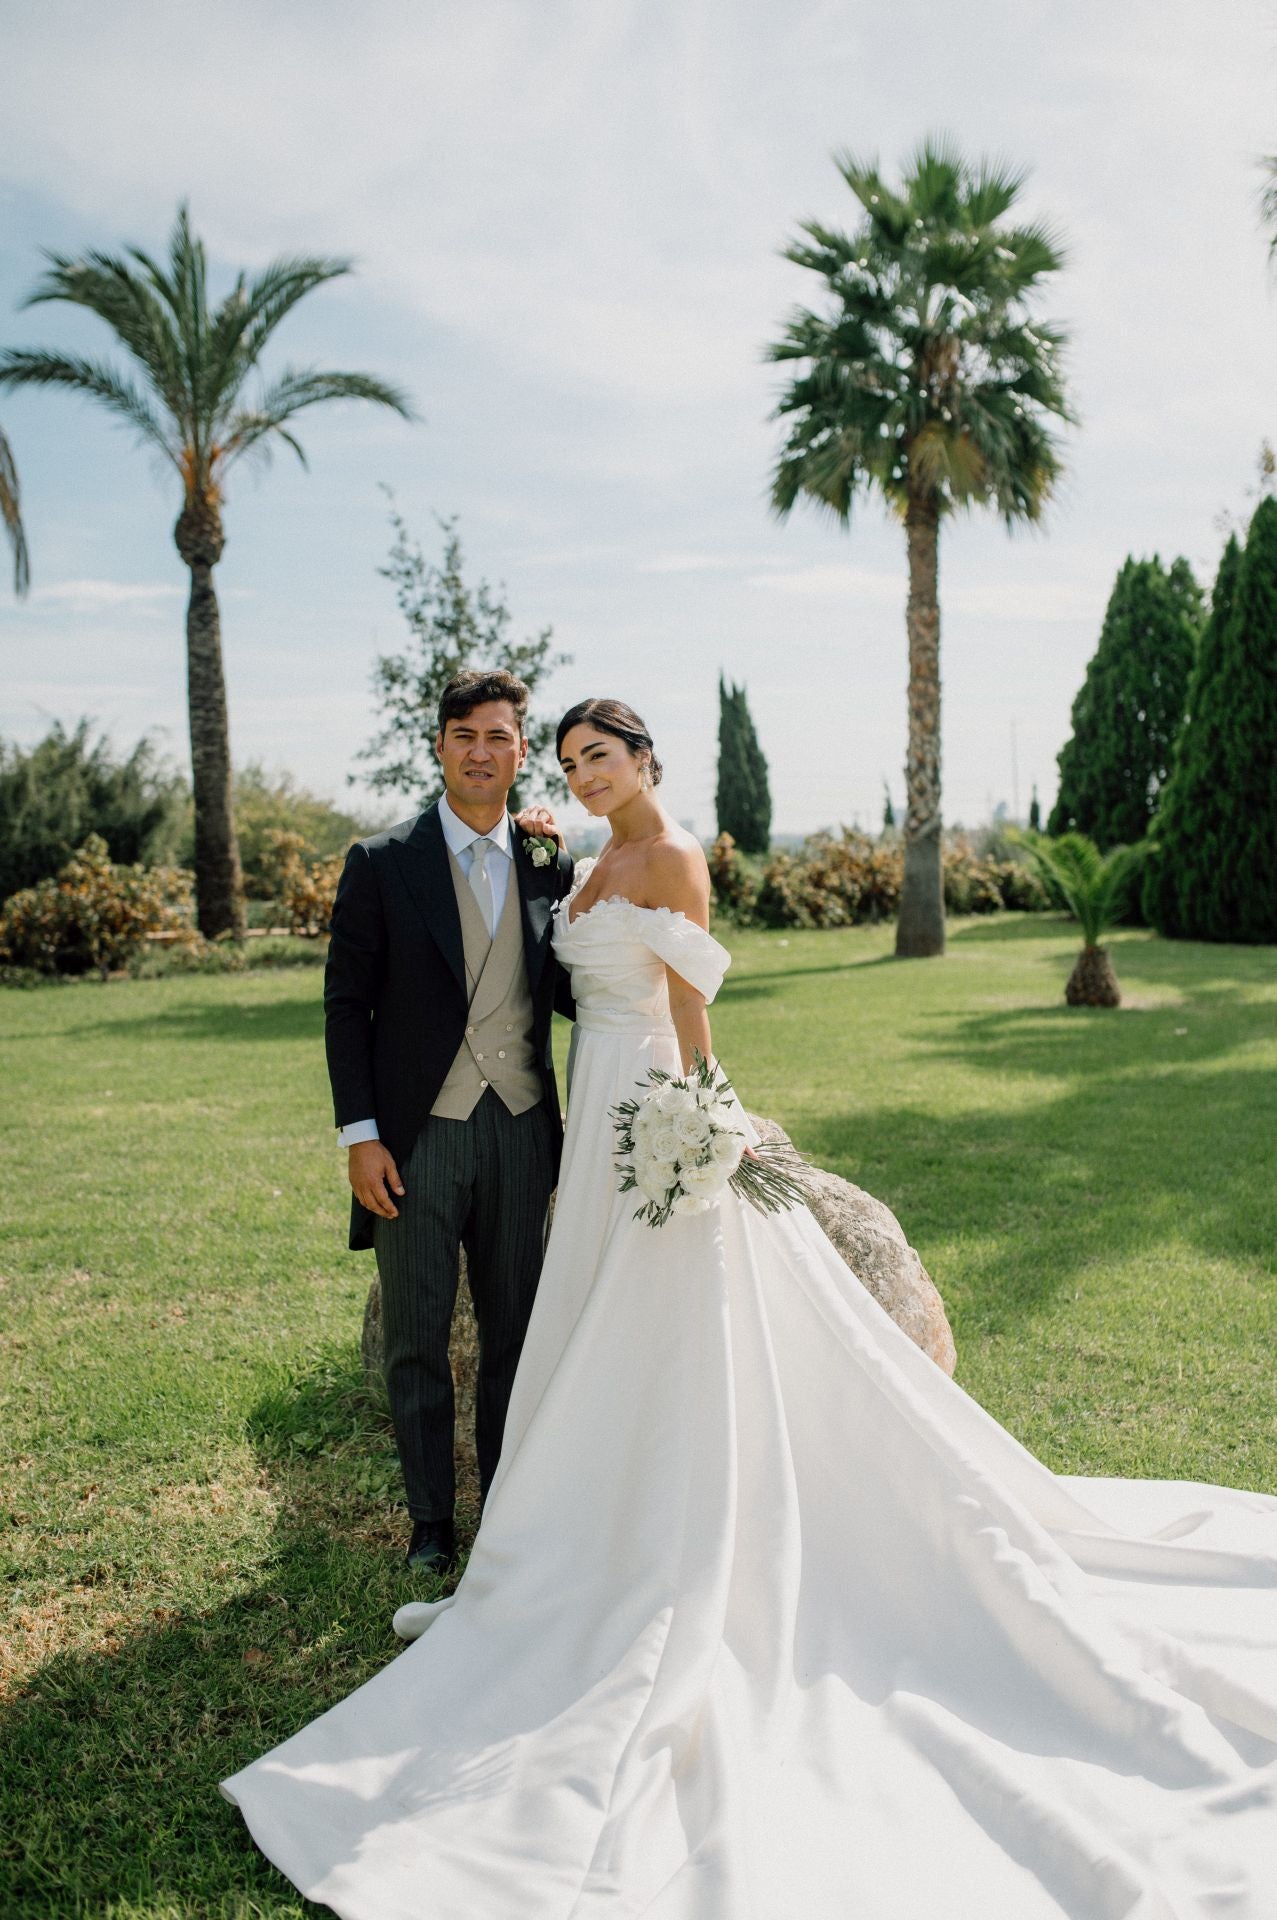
{"x":673,"y":1099}
{"x":706,"y":1096}
{"x":662,"y":1143}
{"x":691,"y":1203}
{"x":705,"y":1182}
{"x":693,"y":1130}
{"x":725,"y":1117}
{"x":655,"y":1181}
{"x":727,"y":1149}
{"x":540,"y":856}
{"x":646,"y":1118}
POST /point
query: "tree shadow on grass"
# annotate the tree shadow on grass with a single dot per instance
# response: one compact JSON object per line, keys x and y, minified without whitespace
{"x":111,"y":1759}
{"x":220,"y":1021}
{"x":1106,"y":1170}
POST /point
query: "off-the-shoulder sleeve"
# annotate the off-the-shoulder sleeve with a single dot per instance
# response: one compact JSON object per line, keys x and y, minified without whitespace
{"x":694,"y":955}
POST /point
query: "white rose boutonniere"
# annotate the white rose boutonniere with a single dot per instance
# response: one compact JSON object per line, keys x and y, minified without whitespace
{"x":540,"y":849}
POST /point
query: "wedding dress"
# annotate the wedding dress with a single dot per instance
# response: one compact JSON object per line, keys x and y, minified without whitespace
{"x":768,"y":1620}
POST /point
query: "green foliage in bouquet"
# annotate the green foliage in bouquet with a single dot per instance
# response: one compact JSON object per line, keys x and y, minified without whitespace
{"x":770,"y":1176}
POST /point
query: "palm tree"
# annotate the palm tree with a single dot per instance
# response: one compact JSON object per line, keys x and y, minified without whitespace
{"x":11,"y":514}
{"x":1094,"y":887}
{"x":191,"y":404}
{"x":928,"y":379}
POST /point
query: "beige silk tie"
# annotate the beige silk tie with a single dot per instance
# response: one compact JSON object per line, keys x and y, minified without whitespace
{"x":480,"y":884}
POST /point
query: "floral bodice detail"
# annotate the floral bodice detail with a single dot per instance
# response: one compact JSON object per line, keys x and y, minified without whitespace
{"x":618,"y":952}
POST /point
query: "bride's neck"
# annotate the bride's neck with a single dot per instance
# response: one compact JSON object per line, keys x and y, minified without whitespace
{"x":639,"y":819}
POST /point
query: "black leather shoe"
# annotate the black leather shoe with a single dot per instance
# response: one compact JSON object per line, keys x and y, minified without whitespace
{"x":433,"y":1546}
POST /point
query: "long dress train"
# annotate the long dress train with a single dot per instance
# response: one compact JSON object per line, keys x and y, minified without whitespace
{"x":768,"y":1620}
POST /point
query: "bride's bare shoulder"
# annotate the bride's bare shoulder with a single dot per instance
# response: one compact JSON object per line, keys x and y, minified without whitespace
{"x":676,"y":875}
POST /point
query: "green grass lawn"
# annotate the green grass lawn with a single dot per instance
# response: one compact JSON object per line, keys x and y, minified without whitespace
{"x":201,"y":1548}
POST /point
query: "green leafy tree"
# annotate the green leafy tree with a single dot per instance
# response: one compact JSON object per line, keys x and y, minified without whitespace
{"x":1214,"y":874}
{"x":1096,"y":889}
{"x":54,"y":795}
{"x":927,"y":380}
{"x":743,"y":795}
{"x":451,"y":625}
{"x":11,"y":514}
{"x":187,"y":397}
{"x":1128,"y":713}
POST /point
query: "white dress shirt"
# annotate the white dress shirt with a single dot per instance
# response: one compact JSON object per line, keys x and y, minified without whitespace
{"x":460,"y":841}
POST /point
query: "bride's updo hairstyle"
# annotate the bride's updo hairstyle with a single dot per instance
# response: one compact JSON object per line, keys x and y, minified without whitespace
{"x":614,"y":717}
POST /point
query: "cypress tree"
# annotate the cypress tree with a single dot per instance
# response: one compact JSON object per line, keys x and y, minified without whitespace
{"x":743,"y":797}
{"x":888,"y":811}
{"x":1214,"y":876}
{"x":1035,"y":813}
{"x":1131,"y":705}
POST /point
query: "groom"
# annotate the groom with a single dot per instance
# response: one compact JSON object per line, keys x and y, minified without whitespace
{"x":438,"y":998}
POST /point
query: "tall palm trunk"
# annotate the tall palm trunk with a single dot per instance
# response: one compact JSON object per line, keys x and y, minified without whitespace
{"x":920,"y":927}
{"x":219,"y":888}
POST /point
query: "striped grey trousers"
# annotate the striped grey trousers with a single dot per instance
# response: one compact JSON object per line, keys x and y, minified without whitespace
{"x":482,"y":1183}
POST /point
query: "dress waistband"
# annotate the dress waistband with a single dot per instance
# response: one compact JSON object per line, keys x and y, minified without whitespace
{"x":607,"y":1020}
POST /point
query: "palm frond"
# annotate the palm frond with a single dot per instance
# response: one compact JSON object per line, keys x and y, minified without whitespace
{"x":1094,"y":886}
{"x":105,"y":286}
{"x":927,"y":369}
{"x":276,"y":292}
{"x":291,"y":394}
{"x":11,"y":514}
{"x":29,"y":367}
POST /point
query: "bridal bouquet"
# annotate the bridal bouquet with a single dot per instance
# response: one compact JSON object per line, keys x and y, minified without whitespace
{"x":680,"y":1143}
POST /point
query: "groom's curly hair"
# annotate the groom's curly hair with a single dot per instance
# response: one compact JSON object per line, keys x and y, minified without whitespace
{"x":470,"y":688}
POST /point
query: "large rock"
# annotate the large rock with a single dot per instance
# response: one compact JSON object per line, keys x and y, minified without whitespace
{"x":865,"y":1232}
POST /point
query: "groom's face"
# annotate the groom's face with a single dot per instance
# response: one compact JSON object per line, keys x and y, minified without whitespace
{"x":481,"y":754}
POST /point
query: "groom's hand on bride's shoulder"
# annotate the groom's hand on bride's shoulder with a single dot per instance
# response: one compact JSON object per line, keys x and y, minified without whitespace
{"x":374,"y":1177}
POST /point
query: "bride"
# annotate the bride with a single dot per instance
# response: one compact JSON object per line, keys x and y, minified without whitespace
{"x":766,"y":1619}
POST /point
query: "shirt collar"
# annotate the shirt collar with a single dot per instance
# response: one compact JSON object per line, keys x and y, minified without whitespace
{"x":459,"y":836}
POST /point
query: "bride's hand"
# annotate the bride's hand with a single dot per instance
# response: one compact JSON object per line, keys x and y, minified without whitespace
{"x":540,"y":822}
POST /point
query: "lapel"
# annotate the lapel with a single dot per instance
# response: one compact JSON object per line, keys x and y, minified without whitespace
{"x":423,"y":862}
{"x":534,"y":905}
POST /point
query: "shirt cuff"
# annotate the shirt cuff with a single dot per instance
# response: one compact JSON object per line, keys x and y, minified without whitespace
{"x":357,"y":1132}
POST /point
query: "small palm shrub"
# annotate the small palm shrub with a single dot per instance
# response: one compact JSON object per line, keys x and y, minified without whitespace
{"x":94,"y":916}
{"x":1095,"y":887}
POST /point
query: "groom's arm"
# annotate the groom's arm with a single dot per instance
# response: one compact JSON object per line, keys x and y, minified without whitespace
{"x":563,"y":1001}
{"x":352,"y":987}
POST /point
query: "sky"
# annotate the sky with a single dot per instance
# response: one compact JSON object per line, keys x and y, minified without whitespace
{"x":568,"y":219}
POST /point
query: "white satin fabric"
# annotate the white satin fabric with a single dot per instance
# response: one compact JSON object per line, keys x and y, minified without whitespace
{"x":767,"y":1620}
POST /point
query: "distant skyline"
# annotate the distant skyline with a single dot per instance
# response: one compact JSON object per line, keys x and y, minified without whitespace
{"x":567,"y":221}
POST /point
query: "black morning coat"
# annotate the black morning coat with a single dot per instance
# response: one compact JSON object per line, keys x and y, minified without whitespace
{"x":395,"y":999}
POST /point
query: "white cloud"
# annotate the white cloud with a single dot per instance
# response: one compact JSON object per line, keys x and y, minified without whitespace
{"x":105,"y":596}
{"x":1039,"y":601}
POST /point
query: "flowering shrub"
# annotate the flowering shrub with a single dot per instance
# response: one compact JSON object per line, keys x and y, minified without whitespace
{"x":304,"y":888}
{"x":830,"y":881}
{"x":94,"y":915}
{"x":842,"y":880}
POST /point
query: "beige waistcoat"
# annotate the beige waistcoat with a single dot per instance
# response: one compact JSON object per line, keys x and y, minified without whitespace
{"x":497,"y":1049}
